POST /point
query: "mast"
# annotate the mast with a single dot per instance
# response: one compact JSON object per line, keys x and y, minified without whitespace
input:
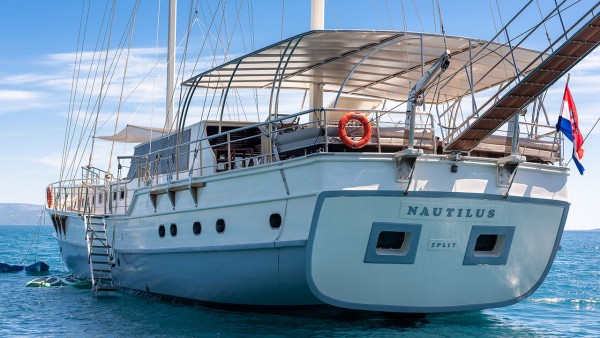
{"x":317,"y":22}
{"x":171,"y":64}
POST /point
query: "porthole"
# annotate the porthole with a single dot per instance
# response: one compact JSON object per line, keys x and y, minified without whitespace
{"x":197,"y":227}
{"x":173,"y":229}
{"x":220,"y":226}
{"x":275,"y":220}
{"x":161,"y":230}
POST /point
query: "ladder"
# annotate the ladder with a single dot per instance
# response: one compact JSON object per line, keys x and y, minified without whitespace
{"x":100,"y":255}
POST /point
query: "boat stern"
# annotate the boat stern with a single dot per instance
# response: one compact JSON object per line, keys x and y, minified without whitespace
{"x":429,"y":251}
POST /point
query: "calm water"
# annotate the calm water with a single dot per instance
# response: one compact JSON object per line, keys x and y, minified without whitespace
{"x":567,"y":304}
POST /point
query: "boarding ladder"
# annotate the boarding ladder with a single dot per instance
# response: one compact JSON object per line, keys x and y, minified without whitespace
{"x":579,"y":40}
{"x":100,"y":254}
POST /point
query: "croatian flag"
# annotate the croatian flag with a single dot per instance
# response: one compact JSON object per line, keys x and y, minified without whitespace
{"x":568,"y":123}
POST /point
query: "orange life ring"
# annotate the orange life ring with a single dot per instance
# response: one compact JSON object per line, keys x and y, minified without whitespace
{"x":49,"y":196}
{"x":367,"y":130}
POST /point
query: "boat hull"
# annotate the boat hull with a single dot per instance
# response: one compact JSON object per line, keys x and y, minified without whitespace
{"x":333,"y":245}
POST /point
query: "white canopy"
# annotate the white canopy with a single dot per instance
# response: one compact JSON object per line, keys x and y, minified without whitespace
{"x":327,"y":57}
{"x":136,"y":134}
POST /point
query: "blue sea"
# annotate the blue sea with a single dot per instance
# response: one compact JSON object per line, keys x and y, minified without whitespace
{"x":566,"y":305}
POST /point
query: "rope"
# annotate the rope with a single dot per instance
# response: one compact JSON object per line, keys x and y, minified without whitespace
{"x":390,"y":15}
{"x":339,"y":24}
{"x":403,"y":15}
{"x":75,"y":81}
{"x":36,"y":236}
{"x":70,"y":129}
{"x":137,"y":3}
{"x":378,"y":16}
{"x":103,"y":77}
{"x":586,"y":136}
{"x":442,"y":24}
{"x":100,"y":98}
{"x":493,"y":16}
{"x":418,"y":16}
{"x":545,"y":27}
{"x":282,"y":17}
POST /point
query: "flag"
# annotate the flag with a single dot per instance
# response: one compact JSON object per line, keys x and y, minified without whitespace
{"x":568,"y":123}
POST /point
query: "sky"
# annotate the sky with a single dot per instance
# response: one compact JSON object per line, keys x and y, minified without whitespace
{"x":39,"y":45}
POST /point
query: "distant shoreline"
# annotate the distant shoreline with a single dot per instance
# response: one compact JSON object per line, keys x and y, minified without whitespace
{"x":20,"y":214}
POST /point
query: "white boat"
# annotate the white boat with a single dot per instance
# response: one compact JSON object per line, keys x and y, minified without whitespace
{"x":411,"y":210}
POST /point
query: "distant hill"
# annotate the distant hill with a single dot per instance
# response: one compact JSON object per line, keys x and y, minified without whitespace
{"x":19,"y":214}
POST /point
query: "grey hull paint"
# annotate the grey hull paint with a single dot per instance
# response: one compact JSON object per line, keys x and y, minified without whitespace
{"x":75,"y":257}
{"x":246,"y":275}
{"x":409,"y":309}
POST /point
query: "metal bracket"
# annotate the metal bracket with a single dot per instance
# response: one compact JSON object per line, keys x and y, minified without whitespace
{"x":507,"y":170}
{"x":405,"y":163}
{"x":193,"y":187}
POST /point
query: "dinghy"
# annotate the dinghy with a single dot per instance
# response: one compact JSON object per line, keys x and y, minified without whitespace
{"x":45,"y":282}
{"x":37,"y":268}
{"x":4,"y":267}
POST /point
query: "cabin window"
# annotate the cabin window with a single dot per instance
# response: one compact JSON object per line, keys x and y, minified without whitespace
{"x":173,"y":229}
{"x":486,"y":243}
{"x":197,"y":228}
{"x":275,"y":221}
{"x":100,"y":198}
{"x":393,"y":243}
{"x":122,"y":194}
{"x":489,"y":245}
{"x":161,"y":230}
{"x":220,"y":225}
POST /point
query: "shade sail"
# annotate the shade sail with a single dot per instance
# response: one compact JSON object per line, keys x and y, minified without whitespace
{"x":394,"y":66}
{"x":136,"y":134}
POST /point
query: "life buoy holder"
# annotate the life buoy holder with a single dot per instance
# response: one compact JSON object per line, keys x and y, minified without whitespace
{"x":367,"y":130}
{"x":49,"y":198}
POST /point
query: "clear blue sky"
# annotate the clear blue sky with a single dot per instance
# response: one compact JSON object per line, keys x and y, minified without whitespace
{"x":39,"y":39}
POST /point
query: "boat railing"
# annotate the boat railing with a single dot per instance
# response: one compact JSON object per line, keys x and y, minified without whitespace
{"x":79,"y":196}
{"x":537,"y":142}
{"x":95,"y":176}
{"x":278,"y":139}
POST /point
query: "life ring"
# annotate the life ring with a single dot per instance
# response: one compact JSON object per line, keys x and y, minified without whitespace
{"x":367,"y":130}
{"x":49,"y":196}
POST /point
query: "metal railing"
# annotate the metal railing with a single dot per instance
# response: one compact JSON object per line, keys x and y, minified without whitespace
{"x":261,"y":144}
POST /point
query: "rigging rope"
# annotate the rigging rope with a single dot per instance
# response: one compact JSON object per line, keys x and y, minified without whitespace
{"x":418,"y":16}
{"x":378,"y":16}
{"x":403,"y":16}
{"x":137,"y":3}
{"x":74,"y":83}
{"x":442,"y":24}
{"x":103,"y":76}
{"x":586,"y":136}
{"x":282,"y":18}
{"x":70,"y":133}
{"x":99,"y":101}
{"x":390,"y":15}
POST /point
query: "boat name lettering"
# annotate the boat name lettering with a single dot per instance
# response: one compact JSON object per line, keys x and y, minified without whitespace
{"x":425,"y":211}
{"x":442,"y":244}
